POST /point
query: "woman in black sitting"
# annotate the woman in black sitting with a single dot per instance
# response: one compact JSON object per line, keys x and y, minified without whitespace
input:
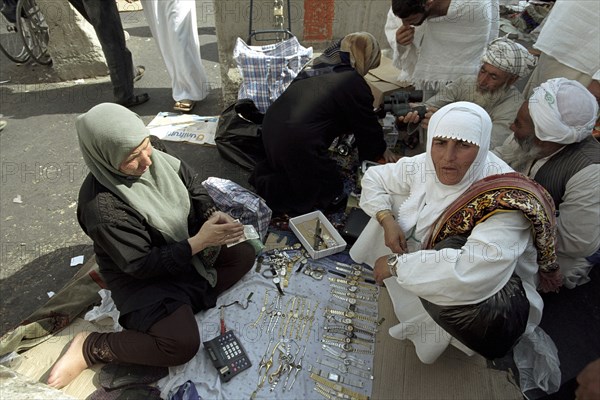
{"x":159,"y":243}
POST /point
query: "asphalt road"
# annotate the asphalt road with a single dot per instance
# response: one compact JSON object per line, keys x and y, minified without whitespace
{"x":42,"y":168}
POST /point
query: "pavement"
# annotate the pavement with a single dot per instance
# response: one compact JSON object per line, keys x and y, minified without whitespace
{"x":42,"y":169}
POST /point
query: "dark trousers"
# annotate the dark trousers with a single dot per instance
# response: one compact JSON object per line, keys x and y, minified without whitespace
{"x":104,"y":16}
{"x":174,"y":339}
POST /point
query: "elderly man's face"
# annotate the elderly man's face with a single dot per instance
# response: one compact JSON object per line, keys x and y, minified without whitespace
{"x":452,"y":159}
{"x":523,"y":127}
{"x":491,"y":79}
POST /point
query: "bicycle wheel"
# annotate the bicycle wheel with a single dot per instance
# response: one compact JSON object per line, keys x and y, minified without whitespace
{"x":33,"y":29}
{"x":11,"y":43}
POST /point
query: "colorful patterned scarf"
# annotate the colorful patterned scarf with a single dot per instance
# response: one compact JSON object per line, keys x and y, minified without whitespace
{"x":500,"y":193}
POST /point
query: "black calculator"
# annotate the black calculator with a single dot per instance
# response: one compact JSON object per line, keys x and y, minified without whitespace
{"x":227,"y":355}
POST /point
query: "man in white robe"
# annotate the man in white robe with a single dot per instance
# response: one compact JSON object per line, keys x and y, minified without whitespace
{"x":175,"y":30}
{"x":569,"y":42}
{"x":552,"y":143}
{"x":443,"y":42}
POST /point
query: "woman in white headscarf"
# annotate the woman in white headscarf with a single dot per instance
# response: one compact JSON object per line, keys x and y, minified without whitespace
{"x":460,"y":224}
{"x":159,"y":241}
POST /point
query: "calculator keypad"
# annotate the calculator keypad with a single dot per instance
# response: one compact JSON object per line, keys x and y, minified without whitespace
{"x":231,"y":358}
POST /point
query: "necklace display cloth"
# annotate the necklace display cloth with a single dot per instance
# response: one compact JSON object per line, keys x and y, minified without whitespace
{"x":273,"y":327}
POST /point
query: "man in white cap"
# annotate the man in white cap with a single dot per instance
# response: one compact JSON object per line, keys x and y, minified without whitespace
{"x":553,"y":144}
{"x":493,"y":89}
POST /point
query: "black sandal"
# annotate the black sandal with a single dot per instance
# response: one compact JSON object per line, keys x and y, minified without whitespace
{"x":135,"y":100}
{"x":129,"y":393}
{"x":117,"y":376}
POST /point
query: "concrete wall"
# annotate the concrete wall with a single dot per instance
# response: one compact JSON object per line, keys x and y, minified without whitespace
{"x":73,"y":45}
{"x":315,"y":22}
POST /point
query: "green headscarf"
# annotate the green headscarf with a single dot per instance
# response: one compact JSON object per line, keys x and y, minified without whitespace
{"x":107,"y":134}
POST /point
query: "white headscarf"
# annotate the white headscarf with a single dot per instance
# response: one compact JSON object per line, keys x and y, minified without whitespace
{"x":509,"y":56}
{"x":428,"y":199}
{"x":563,"y":111}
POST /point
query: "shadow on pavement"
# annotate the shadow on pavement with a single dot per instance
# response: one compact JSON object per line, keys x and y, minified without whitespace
{"x":27,"y":290}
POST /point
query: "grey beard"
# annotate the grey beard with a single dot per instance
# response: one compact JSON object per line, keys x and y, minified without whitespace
{"x":486,"y":98}
{"x":525,"y":153}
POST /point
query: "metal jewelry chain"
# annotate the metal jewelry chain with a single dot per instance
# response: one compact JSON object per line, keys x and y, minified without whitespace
{"x":262,"y":310}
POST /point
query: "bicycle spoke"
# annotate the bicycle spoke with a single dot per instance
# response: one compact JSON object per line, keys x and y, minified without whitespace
{"x":34,"y":31}
{"x":11,"y":43}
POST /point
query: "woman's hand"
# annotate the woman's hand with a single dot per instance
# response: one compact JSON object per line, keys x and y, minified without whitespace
{"x":218,"y":230}
{"x":394,"y":237}
{"x":381,"y":270}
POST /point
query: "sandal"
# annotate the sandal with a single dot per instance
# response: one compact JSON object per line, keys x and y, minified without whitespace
{"x":184,"y":106}
{"x":129,"y":393}
{"x":135,"y":100}
{"x":117,"y":376}
{"x":139,"y":72}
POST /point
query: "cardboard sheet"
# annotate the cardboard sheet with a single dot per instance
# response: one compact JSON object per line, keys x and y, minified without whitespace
{"x":401,"y":375}
{"x":383,"y":80}
{"x":128,"y":6}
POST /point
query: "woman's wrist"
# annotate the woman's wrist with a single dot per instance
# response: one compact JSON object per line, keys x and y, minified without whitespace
{"x":380,"y":216}
{"x":196,"y":245}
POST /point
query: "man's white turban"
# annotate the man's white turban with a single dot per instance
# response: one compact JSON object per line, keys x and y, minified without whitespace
{"x":509,"y":56}
{"x":563,"y":111}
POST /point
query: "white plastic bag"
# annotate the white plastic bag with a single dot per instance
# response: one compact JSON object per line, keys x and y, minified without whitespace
{"x":536,"y":357}
{"x":106,"y":309}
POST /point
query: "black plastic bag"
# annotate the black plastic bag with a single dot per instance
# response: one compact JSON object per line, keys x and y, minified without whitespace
{"x":491,"y":327}
{"x":238,"y":135}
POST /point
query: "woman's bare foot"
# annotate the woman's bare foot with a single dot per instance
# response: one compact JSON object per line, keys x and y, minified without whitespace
{"x":70,"y":365}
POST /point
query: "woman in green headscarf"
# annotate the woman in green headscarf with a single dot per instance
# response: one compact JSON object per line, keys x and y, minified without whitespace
{"x":159,"y":243}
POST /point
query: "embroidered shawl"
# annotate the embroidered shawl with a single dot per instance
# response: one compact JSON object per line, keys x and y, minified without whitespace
{"x":502,"y":193}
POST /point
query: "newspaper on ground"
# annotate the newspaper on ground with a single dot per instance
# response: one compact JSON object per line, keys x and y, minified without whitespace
{"x":184,"y":128}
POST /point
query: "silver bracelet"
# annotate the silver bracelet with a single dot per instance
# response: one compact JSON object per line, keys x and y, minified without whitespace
{"x":392,"y":262}
{"x":335,"y":377}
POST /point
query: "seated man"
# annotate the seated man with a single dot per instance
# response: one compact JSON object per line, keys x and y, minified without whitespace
{"x":503,"y":63}
{"x":552,"y":143}
{"x":457,"y":190}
